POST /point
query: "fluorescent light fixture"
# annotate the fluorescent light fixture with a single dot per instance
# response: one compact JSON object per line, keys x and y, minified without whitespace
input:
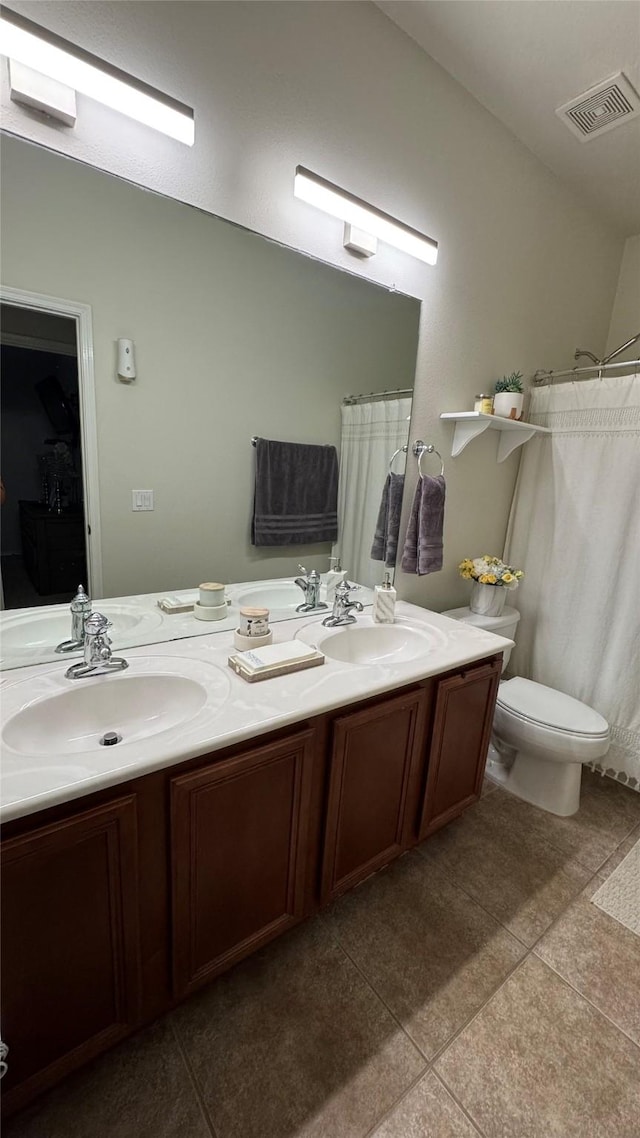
{"x":55,"y":57}
{"x":339,"y":203}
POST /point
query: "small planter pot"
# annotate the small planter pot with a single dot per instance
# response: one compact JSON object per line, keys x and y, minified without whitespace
{"x":508,"y":404}
{"x":487,"y":600}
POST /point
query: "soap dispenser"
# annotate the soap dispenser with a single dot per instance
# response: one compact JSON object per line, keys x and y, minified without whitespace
{"x":384,"y":602}
{"x":335,"y":577}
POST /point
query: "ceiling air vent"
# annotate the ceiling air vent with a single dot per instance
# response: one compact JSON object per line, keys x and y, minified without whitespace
{"x":601,"y":108}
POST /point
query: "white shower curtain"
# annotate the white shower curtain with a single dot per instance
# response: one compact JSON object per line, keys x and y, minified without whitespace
{"x":371,"y":432}
{"x":575,"y":530}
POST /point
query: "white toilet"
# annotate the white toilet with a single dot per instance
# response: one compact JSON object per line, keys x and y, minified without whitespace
{"x":541,"y":737}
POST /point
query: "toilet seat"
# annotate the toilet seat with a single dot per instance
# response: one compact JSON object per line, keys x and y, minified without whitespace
{"x":554,"y":711}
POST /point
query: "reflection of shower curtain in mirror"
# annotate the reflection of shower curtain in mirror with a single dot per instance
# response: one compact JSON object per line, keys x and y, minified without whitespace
{"x":575,"y":530}
{"x":371,"y":432}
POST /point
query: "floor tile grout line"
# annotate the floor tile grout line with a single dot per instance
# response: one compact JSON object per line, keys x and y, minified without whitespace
{"x":460,"y":1104}
{"x":554,"y":845}
{"x":454,"y":881}
{"x":432,"y":1060}
{"x":445,"y":1047}
{"x":460,"y":885}
{"x":367,"y":981}
{"x":193,"y":1080}
{"x":586,"y":998}
{"x":387,"y":1114}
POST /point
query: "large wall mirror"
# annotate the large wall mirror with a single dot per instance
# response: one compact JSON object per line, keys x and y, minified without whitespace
{"x":234,"y":337}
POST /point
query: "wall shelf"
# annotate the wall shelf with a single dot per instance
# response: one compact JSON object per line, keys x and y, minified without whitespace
{"x":470,"y":424}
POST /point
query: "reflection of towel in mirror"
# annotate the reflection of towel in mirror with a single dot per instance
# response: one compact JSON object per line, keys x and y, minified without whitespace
{"x":296,"y":494}
{"x":423,"y":543}
{"x":385,"y":542}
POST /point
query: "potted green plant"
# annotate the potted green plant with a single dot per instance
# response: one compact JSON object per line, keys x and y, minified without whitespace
{"x":509,"y":396}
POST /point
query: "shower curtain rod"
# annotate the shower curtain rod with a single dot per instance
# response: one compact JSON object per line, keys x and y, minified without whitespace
{"x":542,"y":377}
{"x":374,"y":395}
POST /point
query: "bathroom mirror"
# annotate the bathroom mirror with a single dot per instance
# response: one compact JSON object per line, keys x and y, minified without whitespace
{"x":234,"y":336}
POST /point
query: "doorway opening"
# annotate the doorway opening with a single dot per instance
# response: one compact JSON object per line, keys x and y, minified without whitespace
{"x":49,"y":458}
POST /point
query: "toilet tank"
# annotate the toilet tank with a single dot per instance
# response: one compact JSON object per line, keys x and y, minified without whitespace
{"x":503,"y":625}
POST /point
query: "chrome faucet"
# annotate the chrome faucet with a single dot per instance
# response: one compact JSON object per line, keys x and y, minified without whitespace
{"x":342,"y":606}
{"x":80,"y":610}
{"x":310,"y":585}
{"x":98,"y":660}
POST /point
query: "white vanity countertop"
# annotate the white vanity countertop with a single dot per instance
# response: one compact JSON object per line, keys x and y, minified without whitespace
{"x":234,"y":710}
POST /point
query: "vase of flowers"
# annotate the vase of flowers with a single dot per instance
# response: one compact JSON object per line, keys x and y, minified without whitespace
{"x":509,"y":396}
{"x":492,"y":579}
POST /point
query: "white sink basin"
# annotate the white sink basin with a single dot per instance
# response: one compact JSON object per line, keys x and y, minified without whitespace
{"x":154,"y":695}
{"x":37,"y":630}
{"x":369,"y":643}
{"x":275,"y":595}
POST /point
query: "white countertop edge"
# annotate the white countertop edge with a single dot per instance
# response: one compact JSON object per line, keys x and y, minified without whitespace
{"x":252,"y":710}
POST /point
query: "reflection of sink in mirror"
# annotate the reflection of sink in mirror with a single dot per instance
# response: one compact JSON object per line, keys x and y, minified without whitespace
{"x":271,"y":595}
{"x":369,"y":643}
{"x":34,"y":629}
{"x":279,"y":596}
{"x":156,"y":695}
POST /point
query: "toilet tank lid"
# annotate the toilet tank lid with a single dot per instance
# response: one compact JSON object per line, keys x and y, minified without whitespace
{"x":550,"y":708}
{"x":507,"y":617}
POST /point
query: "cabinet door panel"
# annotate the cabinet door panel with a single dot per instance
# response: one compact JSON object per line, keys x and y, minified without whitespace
{"x":374,"y":759}
{"x":461,"y":732}
{"x":239,"y":847}
{"x":70,"y":929}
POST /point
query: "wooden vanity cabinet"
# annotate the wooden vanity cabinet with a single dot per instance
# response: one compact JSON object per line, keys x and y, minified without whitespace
{"x":239,"y":855}
{"x":373,"y":774}
{"x":70,"y":944}
{"x":116,"y":906}
{"x":459,"y":738}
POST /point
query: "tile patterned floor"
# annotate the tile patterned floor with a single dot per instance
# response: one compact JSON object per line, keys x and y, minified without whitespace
{"x":470,"y":989}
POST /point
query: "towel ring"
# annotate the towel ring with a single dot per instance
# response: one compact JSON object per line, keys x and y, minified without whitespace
{"x":420,"y":448}
{"x":400,"y":450}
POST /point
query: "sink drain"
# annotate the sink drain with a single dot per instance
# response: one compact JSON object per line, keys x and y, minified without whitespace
{"x":110,"y":738}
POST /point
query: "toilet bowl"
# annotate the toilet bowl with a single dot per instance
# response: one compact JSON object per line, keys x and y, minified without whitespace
{"x":540,"y":736}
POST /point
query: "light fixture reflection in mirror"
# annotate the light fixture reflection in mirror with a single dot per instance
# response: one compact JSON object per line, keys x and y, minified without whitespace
{"x":235,"y":336}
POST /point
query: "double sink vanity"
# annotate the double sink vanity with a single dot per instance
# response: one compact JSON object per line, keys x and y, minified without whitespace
{"x":224,"y":814}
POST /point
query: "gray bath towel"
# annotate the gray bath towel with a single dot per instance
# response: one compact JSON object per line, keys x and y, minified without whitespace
{"x":423,"y":543}
{"x":296,"y":494}
{"x":385,"y":542}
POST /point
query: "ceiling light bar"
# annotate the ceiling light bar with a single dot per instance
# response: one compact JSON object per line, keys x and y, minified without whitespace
{"x":55,"y":57}
{"x":340,"y":203}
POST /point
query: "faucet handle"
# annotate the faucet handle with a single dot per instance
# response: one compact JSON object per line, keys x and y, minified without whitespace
{"x":96,"y":624}
{"x":302,"y":569}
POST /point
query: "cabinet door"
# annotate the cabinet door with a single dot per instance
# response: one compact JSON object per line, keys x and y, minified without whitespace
{"x":239,"y":847}
{"x":70,"y":944}
{"x":374,"y":764}
{"x":461,"y":731}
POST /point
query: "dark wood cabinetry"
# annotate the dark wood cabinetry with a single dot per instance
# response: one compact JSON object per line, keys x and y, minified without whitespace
{"x":238,"y":850}
{"x":116,"y":906}
{"x":70,"y":944}
{"x":373,"y":768}
{"x":53,"y":547}
{"x":463,"y":713}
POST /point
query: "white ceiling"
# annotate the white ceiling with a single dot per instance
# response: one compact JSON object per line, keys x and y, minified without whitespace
{"x":524,"y":58}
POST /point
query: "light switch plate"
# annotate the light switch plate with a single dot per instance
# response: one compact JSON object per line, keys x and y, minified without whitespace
{"x":141,"y":500}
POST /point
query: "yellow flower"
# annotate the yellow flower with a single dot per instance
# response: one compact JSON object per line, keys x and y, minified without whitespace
{"x":466,"y":573}
{"x":488,"y":579}
{"x":519,"y":574}
{"x":508,"y":578}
